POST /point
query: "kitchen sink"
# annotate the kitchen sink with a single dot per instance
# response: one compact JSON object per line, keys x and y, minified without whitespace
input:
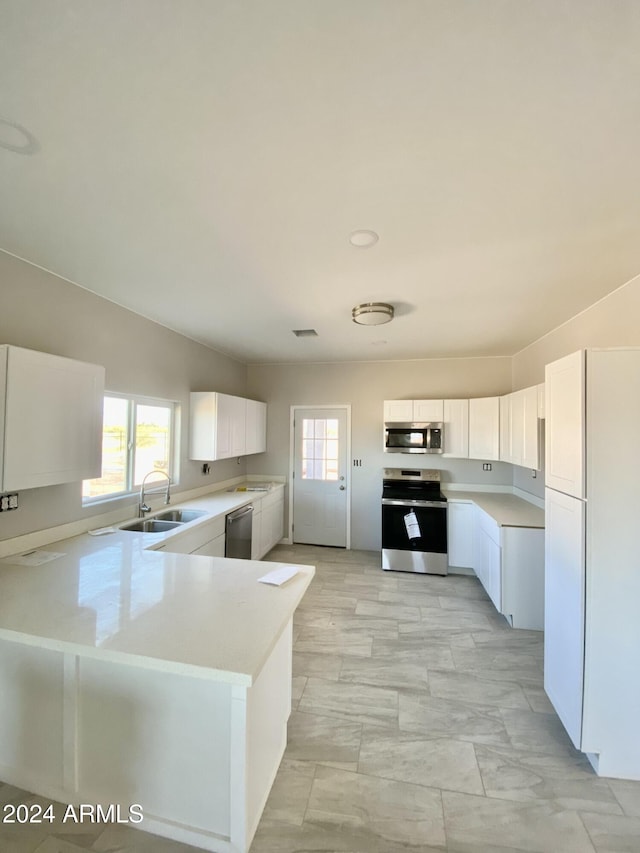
{"x":150,"y":525}
{"x":182,"y":516}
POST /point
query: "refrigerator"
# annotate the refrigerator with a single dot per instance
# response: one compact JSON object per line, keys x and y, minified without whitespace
{"x":592,"y":554}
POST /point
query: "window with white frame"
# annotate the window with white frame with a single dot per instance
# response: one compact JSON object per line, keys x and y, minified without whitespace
{"x":137,"y":437}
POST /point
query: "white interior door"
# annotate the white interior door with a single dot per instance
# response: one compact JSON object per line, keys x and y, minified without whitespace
{"x":320,"y":484}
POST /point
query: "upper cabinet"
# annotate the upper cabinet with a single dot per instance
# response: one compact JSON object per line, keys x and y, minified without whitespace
{"x":456,"y":428}
{"x":503,"y":428}
{"x":223,"y":425}
{"x":428,"y":410}
{"x":484,"y":428}
{"x":541,"y":410}
{"x":408,"y":411}
{"x":256,"y":427}
{"x":50,"y":419}
{"x":519,"y":428}
{"x":565,"y":416}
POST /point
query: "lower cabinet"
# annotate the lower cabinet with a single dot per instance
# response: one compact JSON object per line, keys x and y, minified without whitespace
{"x":206,"y":539}
{"x":272,"y":521}
{"x":256,"y":532}
{"x":460,"y":523}
{"x":488,"y":556}
{"x":509,"y":562}
{"x":214,"y":548}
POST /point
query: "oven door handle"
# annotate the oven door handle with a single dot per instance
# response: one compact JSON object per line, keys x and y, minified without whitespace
{"x":407,"y":503}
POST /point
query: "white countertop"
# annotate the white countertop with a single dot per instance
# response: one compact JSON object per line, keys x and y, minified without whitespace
{"x":111,"y":598}
{"x":506,"y":509}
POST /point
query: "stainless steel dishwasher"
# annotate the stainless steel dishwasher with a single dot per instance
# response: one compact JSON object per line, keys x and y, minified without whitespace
{"x":237,"y":541}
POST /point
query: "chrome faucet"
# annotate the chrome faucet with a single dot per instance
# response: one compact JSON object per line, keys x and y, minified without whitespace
{"x":144,"y":507}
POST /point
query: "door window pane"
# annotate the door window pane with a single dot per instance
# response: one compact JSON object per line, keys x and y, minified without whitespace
{"x":320,"y":449}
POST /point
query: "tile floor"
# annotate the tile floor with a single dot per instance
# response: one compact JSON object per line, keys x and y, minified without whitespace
{"x":419,"y":724}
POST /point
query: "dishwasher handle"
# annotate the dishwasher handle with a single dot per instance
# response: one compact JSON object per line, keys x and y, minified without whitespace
{"x":239,"y":513}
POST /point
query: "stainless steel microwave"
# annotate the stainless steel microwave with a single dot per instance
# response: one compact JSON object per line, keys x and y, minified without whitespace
{"x":414,"y":438}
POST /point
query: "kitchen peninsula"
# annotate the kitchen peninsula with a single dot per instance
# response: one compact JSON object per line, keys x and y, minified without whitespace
{"x":134,"y":675}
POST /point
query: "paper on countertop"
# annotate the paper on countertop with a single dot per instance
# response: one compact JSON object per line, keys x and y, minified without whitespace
{"x":279,"y":576}
{"x":33,"y":558}
{"x":101,"y":531}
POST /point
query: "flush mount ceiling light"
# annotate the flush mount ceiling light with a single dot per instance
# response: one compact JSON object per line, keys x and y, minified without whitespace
{"x":372,"y":313}
{"x":363,"y":239}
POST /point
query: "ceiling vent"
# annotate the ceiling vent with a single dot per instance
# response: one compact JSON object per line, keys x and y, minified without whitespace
{"x":305,"y":333}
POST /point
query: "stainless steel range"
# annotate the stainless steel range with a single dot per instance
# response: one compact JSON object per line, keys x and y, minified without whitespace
{"x":414,"y":522}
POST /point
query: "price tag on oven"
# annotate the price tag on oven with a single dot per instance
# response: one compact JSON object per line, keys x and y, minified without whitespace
{"x":411,"y":523}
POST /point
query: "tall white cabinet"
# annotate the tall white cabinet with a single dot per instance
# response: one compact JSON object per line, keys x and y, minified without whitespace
{"x":592,"y":554}
{"x":50,"y":419}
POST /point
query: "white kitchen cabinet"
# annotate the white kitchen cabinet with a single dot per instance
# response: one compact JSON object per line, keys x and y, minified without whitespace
{"x":219,"y":426}
{"x":488,"y":557}
{"x":272,"y":521}
{"x":540,"y":389}
{"x":210,"y":426}
{"x":50,"y":419}
{"x":196,"y":538}
{"x":398,"y":410}
{"x":565,"y":409}
{"x":592,"y":630}
{"x":564,"y":608}
{"x":256,"y":531}
{"x":460,"y":525}
{"x":256,"y":427}
{"x":484,"y":428}
{"x":214,"y":548}
{"x":519,"y":428}
{"x":408,"y":411}
{"x":530,"y":457}
{"x":509,"y":562}
{"x":427,"y":411}
{"x":505,"y":428}
{"x":522,"y":577}
{"x":238,"y":419}
{"x":456,"y":428}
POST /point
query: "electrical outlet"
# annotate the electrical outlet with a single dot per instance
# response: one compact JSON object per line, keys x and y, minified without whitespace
{"x":206,"y":468}
{"x":8,"y":502}
{"x":534,"y":473}
{"x":486,"y":466}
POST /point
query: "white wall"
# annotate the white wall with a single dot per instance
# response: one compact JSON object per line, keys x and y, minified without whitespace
{"x":43,"y":312}
{"x":365,"y":385}
{"x":612,"y":322}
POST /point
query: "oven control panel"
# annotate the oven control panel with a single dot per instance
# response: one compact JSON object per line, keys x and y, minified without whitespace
{"x":412,"y":474}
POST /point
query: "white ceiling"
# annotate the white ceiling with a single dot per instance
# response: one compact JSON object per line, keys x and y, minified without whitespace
{"x":203,"y":162}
